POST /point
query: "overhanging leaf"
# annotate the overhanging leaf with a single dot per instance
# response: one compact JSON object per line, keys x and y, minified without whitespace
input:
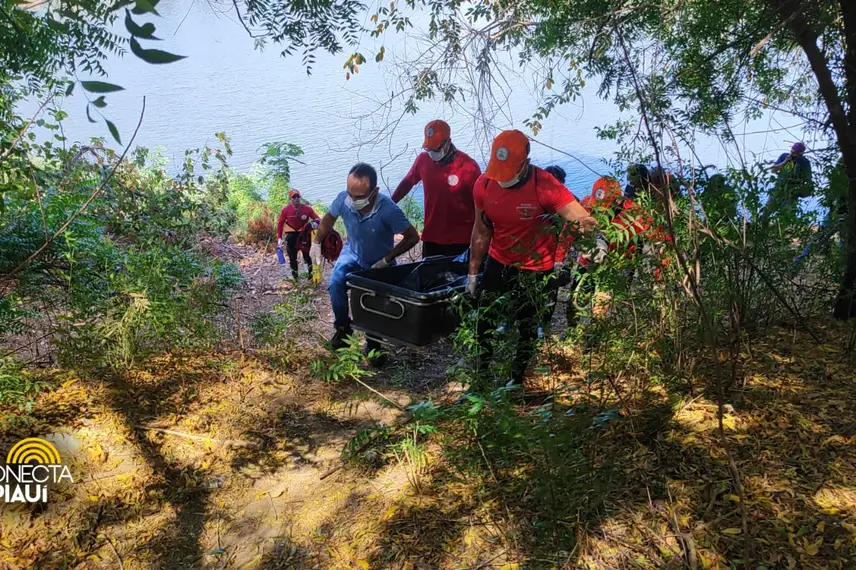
{"x":153,"y":55}
{"x":113,"y":130}
{"x":100,"y":102}
{"x":88,"y":116}
{"x":145,"y":6}
{"x":100,"y":86}
{"x":145,"y":31}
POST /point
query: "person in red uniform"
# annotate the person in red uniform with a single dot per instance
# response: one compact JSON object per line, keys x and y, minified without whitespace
{"x":447,"y":175}
{"x":515,"y":202}
{"x":293,"y":219}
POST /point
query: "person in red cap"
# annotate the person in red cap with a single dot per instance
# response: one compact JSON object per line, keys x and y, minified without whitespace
{"x":515,"y":204}
{"x":447,"y":175}
{"x":293,"y":219}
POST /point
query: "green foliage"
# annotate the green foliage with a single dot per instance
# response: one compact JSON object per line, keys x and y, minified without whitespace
{"x":413,"y":211}
{"x":17,"y":386}
{"x":274,"y":328}
{"x":345,"y":363}
{"x":278,"y":190}
{"x":124,"y":278}
{"x":277,"y":158}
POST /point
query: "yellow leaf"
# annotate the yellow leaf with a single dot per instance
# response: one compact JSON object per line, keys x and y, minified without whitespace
{"x":68,"y":383}
{"x":732,"y":531}
{"x":511,"y":566}
{"x":836,"y":439}
{"x":829,"y":348}
{"x":364,"y":564}
{"x":851,"y":528}
{"x":276,"y":493}
{"x":830,"y":511}
{"x":93,"y":498}
{"x":811,"y":548}
{"x":549,"y":83}
{"x":733,"y":498}
{"x":688,"y":440}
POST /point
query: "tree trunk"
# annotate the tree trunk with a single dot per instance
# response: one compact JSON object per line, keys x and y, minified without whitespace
{"x":792,"y":15}
{"x":845,"y":305}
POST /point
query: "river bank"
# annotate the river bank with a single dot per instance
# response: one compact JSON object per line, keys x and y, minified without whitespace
{"x":230,"y":459}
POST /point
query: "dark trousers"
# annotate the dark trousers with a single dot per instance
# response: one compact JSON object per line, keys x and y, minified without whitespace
{"x":431,"y":249}
{"x":519,"y":298}
{"x":291,"y":249}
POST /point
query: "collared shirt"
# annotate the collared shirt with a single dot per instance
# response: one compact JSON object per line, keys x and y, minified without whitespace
{"x":522,"y":233}
{"x":292,"y":219}
{"x":448,"y":189}
{"x":371,"y":236}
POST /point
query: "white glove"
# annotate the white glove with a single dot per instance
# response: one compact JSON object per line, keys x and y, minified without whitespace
{"x":279,"y":243}
{"x":381,"y":264}
{"x":315,"y":224}
{"x":600,"y":250}
{"x":315,"y":254}
{"x":472,"y":284}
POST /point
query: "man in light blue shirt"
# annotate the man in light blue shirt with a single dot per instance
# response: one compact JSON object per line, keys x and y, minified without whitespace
{"x":371,"y":222}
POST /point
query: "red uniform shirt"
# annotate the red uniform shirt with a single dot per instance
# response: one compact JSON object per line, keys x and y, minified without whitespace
{"x":523,"y":235}
{"x":296,"y":218}
{"x":448,"y":188}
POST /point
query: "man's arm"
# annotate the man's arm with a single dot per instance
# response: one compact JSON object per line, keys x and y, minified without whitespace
{"x":575,"y":213}
{"x":780,"y":164}
{"x":280,"y":224}
{"x":480,"y":241}
{"x":408,"y":182}
{"x":410,"y":239}
{"x":327,"y":223}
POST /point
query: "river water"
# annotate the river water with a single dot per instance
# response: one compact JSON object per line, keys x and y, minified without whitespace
{"x":258,"y":96}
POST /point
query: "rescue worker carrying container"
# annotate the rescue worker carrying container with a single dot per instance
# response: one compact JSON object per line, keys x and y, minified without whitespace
{"x":514,"y":207}
{"x":447,"y":175}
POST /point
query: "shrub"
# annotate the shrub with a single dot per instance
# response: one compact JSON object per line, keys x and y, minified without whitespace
{"x":17,"y":387}
{"x":261,"y":230}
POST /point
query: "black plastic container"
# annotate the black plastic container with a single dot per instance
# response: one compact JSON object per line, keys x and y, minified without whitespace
{"x":408,"y":304}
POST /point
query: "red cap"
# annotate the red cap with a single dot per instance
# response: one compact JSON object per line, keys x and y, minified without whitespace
{"x":295,"y":193}
{"x":509,"y":151}
{"x":436,"y":133}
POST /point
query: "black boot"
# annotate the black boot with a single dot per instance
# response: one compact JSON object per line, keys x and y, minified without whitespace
{"x":339,"y":339}
{"x":380,"y":357}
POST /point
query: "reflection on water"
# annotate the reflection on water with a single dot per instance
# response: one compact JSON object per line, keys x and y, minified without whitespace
{"x":257,"y":97}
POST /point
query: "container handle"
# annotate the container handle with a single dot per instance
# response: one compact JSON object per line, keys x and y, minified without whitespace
{"x":381,"y":313}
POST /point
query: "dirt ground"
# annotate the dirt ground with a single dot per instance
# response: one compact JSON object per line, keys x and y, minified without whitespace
{"x":231,"y":459}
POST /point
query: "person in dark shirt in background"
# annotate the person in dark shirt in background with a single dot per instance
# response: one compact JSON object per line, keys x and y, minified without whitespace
{"x":637,"y":180}
{"x":793,"y":182}
{"x":447,"y":175}
{"x":293,"y":219}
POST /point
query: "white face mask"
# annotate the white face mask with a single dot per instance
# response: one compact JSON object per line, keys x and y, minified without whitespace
{"x":511,"y":182}
{"x":440,"y":154}
{"x":361,"y":203}
{"x":516,"y":178}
